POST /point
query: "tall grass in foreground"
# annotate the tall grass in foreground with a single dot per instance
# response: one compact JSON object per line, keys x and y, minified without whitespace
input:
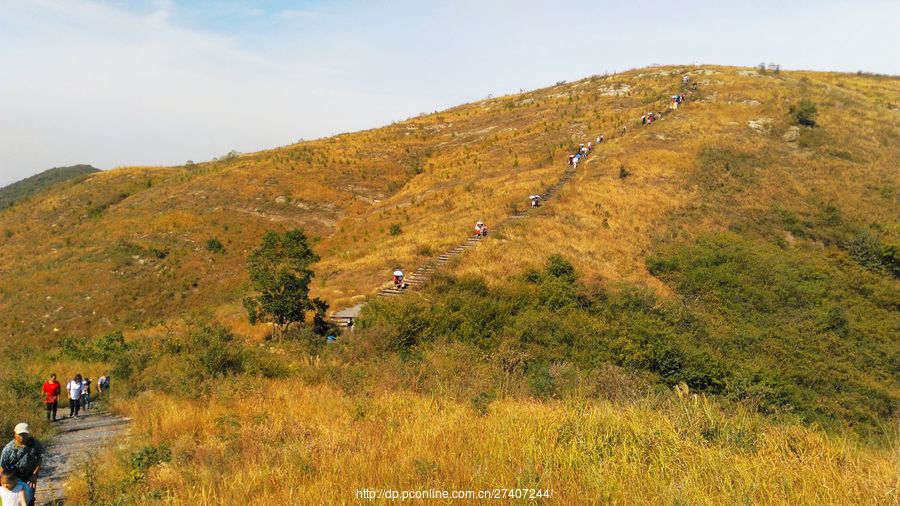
{"x":281,"y":442}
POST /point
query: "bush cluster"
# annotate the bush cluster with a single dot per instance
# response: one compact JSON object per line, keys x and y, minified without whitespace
{"x":182,"y":365}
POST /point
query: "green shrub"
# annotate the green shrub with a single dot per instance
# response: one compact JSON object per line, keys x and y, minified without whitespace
{"x":804,"y":112}
{"x":481,"y":402}
{"x":559,"y":267}
{"x":395,"y":229}
{"x":102,"y":349}
{"x":215,"y":246}
{"x":540,"y":381}
{"x":147,"y":457}
{"x":213,"y":352}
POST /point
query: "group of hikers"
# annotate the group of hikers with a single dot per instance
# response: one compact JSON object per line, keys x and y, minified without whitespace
{"x":21,"y":458}
{"x":78,"y":391}
{"x":650,"y":117}
{"x":676,"y":101}
{"x":580,"y":154}
{"x":481,"y":228}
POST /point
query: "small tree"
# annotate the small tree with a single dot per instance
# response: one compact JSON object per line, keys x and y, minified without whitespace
{"x":280,"y":271}
{"x":805,"y":112}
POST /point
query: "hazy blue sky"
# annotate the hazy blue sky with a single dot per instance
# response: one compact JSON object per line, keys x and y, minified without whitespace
{"x":144,"y":82}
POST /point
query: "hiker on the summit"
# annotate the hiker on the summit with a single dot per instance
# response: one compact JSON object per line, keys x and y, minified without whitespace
{"x":51,"y":390}
{"x":75,"y":389}
{"x":23,"y":456}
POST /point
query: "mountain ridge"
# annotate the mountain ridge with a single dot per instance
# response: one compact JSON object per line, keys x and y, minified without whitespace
{"x":32,"y":185}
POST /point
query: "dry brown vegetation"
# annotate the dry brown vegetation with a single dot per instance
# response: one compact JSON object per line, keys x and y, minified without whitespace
{"x":128,"y":250}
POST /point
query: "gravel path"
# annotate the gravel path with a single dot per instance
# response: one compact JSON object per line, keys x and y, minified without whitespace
{"x":77,"y":439}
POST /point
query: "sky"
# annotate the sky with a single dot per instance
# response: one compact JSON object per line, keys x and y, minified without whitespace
{"x":158,"y":82}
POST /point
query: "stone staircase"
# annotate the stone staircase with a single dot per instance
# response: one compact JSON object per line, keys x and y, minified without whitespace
{"x":419,"y":277}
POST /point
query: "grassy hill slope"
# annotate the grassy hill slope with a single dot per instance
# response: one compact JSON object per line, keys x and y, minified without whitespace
{"x":37,"y":183}
{"x":724,"y":250}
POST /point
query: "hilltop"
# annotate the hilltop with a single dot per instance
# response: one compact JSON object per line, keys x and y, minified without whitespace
{"x":728,"y":250}
{"x":37,"y":183}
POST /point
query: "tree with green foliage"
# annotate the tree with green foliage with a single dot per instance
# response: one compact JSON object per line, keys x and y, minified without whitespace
{"x":280,"y":272}
{"x":804,"y":112}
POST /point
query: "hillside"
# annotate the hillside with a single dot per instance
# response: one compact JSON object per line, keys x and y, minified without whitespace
{"x":141,"y":232}
{"x":37,"y":183}
{"x":710,"y":300}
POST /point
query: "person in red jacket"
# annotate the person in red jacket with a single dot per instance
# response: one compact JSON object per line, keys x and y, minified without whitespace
{"x":51,"y":396}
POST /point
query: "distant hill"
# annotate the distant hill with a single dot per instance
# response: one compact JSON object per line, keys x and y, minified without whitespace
{"x":39,"y":182}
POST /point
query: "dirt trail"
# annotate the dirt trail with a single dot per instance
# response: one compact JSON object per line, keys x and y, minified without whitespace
{"x":77,"y":439}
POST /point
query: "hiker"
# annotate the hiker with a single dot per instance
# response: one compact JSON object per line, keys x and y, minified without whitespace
{"x":624,"y":128}
{"x":480,"y":229}
{"x":590,"y":146}
{"x":644,"y":119}
{"x":535,"y":201}
{"x":12,"y":490}
{"x":575,"y":162}
{"x":685,"y":80}
{"x":398,"y":278}
{"x":571,"y":157}
{"x":600,"y":138}
{"x":23,"y":456}
{"x":103,"y":384}
{"x":86,"y":394}
{"x":51,"y":390}
{"x":583,"y":150}
{"x":75,"y":389}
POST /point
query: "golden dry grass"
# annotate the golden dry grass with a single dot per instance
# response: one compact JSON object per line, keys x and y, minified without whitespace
{"x":434,"y":175}
{"x":286,"y":443}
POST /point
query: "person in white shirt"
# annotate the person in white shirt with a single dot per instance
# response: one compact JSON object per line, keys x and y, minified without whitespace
{"x":12,"y":491}
{"x":75,"y":388}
